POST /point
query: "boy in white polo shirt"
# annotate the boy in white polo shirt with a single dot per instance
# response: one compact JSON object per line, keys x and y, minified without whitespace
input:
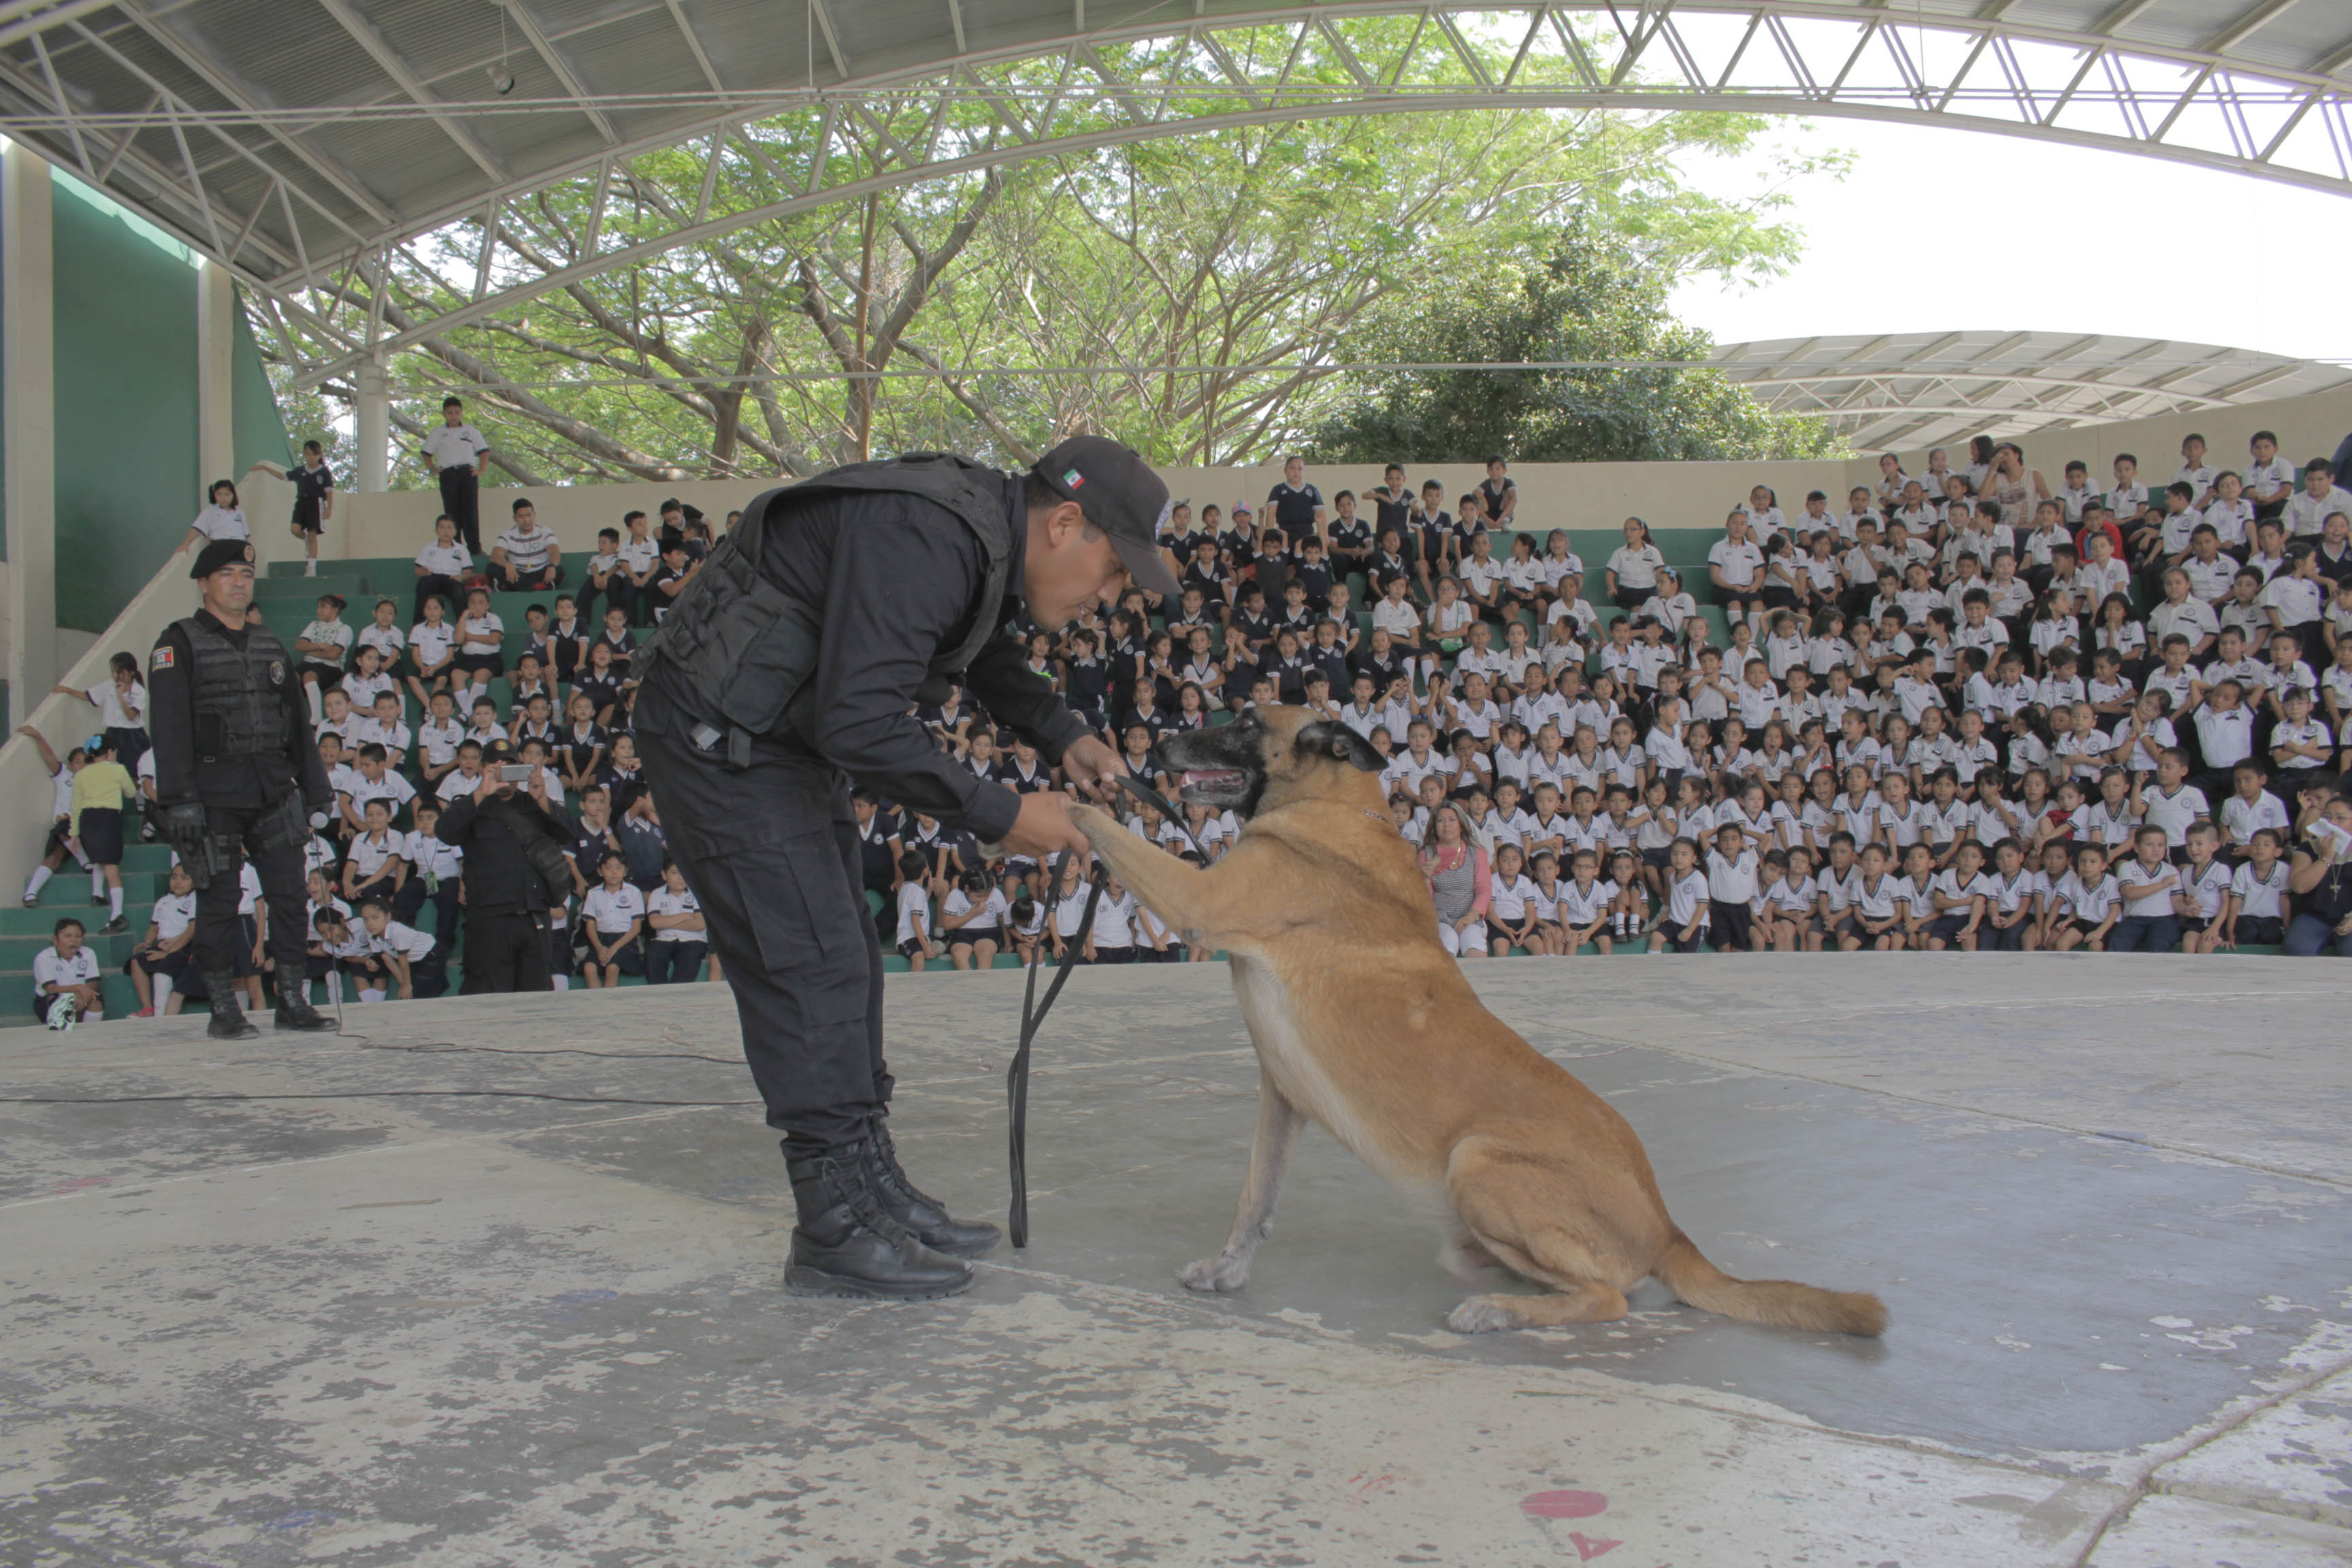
{"x":2269,"y":479}
{"x":614,"y":916}
{"x":2009,"y":901}
{"x":2147,"y":882}
{"x":2307,"y":512}
{"x":2172,"y":803}
{"x":2204,"y":893}
{"x":1875,"y":902}
{"x":2250,"y":808}
{"x":2093,"y":901}
{"x":2225,"y":733}
{"x":2257,"y":912}
{"x":1731,"y":874}
{"x":2301,"y":745}
{"x":413,"y":960}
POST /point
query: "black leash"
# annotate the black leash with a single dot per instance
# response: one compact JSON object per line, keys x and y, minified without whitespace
{"x":1032,"y":1013}
{"x":1016,"y":1078}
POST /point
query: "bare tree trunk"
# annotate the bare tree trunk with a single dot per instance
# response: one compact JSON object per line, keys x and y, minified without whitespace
{"x":862,"y":382}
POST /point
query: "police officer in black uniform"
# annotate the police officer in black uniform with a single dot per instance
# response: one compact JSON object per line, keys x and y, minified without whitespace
{"x":791,"y":663}
{"x":238,"y":779}
{"x":517,"y":873}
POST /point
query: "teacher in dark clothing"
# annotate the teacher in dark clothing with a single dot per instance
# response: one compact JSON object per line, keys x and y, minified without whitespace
{"x":517,"y":872}
{"x":791,"y":664}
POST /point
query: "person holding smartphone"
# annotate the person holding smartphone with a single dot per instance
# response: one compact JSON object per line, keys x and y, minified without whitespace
{"x":517,"y":876}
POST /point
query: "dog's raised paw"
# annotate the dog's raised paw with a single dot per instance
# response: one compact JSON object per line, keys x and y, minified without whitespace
{"x":1482,"y":1314}
{"x":1223,"y":1272}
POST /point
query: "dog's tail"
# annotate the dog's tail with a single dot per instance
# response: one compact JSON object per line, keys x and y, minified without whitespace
{"x":1778,"y":1303}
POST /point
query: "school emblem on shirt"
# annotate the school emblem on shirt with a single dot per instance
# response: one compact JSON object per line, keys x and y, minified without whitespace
{"x":164,"y":658}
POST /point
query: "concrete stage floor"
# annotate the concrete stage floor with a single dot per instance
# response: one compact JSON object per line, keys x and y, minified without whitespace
{"x":368,"y":1323}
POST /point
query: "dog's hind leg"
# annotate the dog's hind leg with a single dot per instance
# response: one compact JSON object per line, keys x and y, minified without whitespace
{"x":1278,"y":1126}
{"x":1464,"y":1256}
{"x":1536,"y":1224}
{"x":1583,"y":1301}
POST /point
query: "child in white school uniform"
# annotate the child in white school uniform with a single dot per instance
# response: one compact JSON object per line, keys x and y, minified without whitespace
{"x":612,"y":918}
{"x":1069,"y":904}
{"x":2203,"y":896}
{"x":1680,"y":923}
{"x":1732,"y":887}
{"x":65,"y":979}
{"x":2149,"y":883}
{"x":914,"y":933}
{"x":2093,"y":901}
{"x":2249,"y":810}
{"x":1510,"y":916}
{"x":1584,"y":904}
{"x":972,"y":920}
{"x":1875,"y":903}
{"x":1113,"y":937}
{"x":2257,"y":911}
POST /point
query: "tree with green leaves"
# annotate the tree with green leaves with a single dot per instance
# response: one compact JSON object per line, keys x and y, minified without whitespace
{"x":1589,"y":296}
{"x":1199,"y":296}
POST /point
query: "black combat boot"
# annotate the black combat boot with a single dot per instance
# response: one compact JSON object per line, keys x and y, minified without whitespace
{"x":846,"y":1243}
{"x":229,"y":1022}
{"x":921,"y":1213}
{"x":295,"y":1012}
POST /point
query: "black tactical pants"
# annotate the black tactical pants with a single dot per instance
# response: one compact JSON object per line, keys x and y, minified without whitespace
{"x":771,"y":852}
{"x":504,"y":952}
{"x":461,"y":497}
{"x":264,"y":835}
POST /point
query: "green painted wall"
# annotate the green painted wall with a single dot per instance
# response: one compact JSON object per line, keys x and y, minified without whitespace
{"x":126,"y":406}
{"x":257,"y":430}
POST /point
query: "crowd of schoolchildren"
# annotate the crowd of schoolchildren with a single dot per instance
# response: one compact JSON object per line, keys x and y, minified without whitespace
{"x":1965,"y":709}
{"x":404,"y":721}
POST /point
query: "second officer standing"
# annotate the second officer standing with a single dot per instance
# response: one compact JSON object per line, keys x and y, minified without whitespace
{"x":238,"y":780}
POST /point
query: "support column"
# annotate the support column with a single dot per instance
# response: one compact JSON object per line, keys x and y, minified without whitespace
{"x":371,"y":420}
{"x":215,"y":394}
{"x":28,"y":425}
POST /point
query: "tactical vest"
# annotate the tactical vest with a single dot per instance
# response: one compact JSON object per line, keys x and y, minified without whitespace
{"x":749,"y":647}
{"x":237,"y":693}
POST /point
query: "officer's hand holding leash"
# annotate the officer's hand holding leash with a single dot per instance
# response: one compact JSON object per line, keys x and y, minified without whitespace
{"x":1093,"y":762}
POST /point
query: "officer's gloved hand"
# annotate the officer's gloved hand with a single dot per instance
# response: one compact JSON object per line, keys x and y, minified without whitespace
{"x":319,"y":813}
{"x":184,"y":828}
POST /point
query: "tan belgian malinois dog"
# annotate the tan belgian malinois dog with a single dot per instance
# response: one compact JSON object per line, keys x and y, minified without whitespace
{"x":1364,"y":1022}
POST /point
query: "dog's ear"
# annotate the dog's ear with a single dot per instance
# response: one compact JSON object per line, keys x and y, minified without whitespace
{"x":1328,"y":738}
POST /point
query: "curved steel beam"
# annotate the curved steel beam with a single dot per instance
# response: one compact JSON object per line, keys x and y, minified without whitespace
{"x":719,"y":226}
{"x":1872,"y":72}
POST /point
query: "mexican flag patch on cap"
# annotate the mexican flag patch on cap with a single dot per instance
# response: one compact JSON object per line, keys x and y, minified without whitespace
{"x":1074,"y":478}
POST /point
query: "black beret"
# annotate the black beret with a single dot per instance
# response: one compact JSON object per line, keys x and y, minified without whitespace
{"x":220,"y":552}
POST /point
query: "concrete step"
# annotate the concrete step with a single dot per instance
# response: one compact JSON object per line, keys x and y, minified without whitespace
{"x":17,"y":998}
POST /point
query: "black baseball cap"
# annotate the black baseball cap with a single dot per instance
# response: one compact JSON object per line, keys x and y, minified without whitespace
{"x":1121,"y":495}
{"x":220,"y":552}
